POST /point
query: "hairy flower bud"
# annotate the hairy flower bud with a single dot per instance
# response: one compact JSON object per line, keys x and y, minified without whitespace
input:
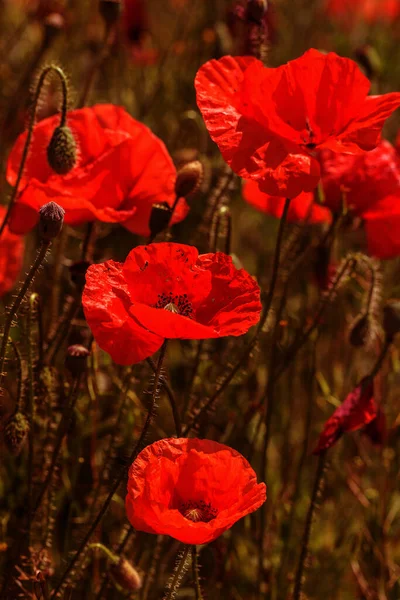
{"x":360,"y":331}
{"x":160,"y":217}
{"x":189,"y":178}
{"x":125,"y":575}
{"x":61,"y":151}
{"x":391,"y":318}
{"x":76,"y":359}
{"x":110,"y":10}
{"x":16,"y":432}
{"x":51,"y":219}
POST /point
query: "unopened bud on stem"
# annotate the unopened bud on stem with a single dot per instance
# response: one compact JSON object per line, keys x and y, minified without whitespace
{"x":76,"y":359}
{"x":61,"y":151}
{"x":51,"y":219}
{"x":16,"y":432}
{"x":189,"y":179}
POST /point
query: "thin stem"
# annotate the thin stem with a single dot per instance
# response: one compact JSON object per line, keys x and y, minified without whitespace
{"x":171,"y":398}
{"x":178,"y":574}
{"x":30,"y":411}
{"x":18,"y":376}
{"x":196,"y":578}
{"x":95,"y":66}
{"x":121,"y":476}
{"x":43,"y":75}
{"x":207,"y":405}
{"x":17,"y":303}
{"x":299,"y":580}
{"x":61,"y":431}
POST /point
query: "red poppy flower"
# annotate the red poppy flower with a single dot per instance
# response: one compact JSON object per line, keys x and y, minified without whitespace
{"x":358,"y":409}
{"x":349,"y":12}
{"x":135,"y":24}
{"x":167,"y":290}
{"x":11,"y":256}
{"x":122,"y":170}
{"x":370,"y":186}
{"x":192,"y":490}
{"x":301,"y":208}
{"x":268,"y":122}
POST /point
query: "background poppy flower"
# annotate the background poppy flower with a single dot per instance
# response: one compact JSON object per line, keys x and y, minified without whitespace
{"x":167,"y":290}
{"x":301,"y":208}
{"x":358,"y":409}
{"x":122,"y":170}
{"x":262,"y":119}
{"x":350,"y":12}
{"x":11,"y":257}
{"x":369,"y":186}
{"x":192,"y":490}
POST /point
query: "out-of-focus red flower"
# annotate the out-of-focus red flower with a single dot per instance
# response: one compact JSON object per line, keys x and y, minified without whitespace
{"x":376,"y":430}
{"x":122,"y":170}
{"x":135,"y":24}
{"x":368,"y":183}
{"x":350,"y":12}
{"x":167,"y":290}
{"x":370,"y":187}
{"x":358,"y":409}
{"x":40,"y":9}
{"x":11,"y":256}
{"x":301,"y":208}
{"x":268,"y":123}
{"x":192,"y":490}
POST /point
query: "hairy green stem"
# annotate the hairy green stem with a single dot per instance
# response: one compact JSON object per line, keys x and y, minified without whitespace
{"x":121,"y":476}
{"x":179,"y":572}
{"x":17,"y":303}
{"x":59,"y":72}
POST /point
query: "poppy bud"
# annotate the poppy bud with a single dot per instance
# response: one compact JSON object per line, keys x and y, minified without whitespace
{"x":76,"y":359}
{"x":256,"y":10}
{"x":61,"y":151}
{"x":125,"y":575}
{"x":15,"y":432}
{"x":189,"y":178}
{"x":360,"y":331}
{"x":51,"y":219}
{"x":77,"y":272}
{"x":110,"y":10}
{"x":391,"y":318}
{"x":160,"y":217}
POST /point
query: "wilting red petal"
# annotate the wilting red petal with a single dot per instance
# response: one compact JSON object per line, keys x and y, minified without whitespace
{"x":301,"y":208}
{"x":167,"y":290}
{"x":243,"y":141}
{"x":204,"y":479}
{"x":11,"y":256}
{"x":122,"y":170}
{"x":106,"y":304}
{"x":357,"y":410}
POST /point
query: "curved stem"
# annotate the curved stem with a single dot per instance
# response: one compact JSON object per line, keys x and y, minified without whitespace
{"x":43,"y":75}
{"x":178,"y":574}
{"x":121,"y":476}
{"x":17,"y":303}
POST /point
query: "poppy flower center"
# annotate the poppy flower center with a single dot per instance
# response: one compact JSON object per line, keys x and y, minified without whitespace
{"x":198,"y":511}
{"x":178,"y":304}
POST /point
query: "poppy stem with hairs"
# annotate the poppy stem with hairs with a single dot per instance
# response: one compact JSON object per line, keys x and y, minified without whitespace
{"x":61,"y":75}
{"x":171,"y":398}
{"x":179,"y":571}
{"x":18,"y":301}
{"x":196,"y":578}
{"x":274,"y":276}
{"x":299,"y":580}
{"x":137,"y":448}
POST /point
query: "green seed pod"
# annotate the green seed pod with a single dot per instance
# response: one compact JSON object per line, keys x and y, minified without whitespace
{"x":61,"y":151}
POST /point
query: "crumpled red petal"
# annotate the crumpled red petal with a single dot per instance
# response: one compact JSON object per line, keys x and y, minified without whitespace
{"x":106,"y":302}
{"x":172,"y":472}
